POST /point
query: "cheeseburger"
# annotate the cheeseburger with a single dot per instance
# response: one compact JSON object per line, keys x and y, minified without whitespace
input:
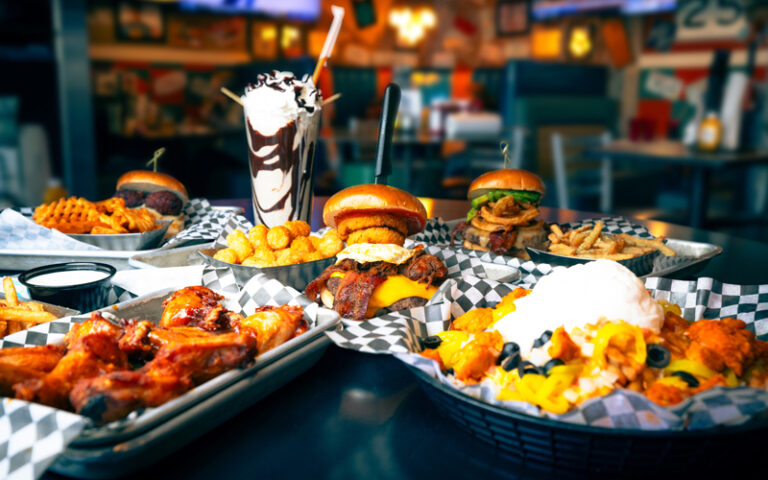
{"x":504,"y":214}
{"x":374,"y":214}
{"x":161,"y":194}
{"x":372,"y":279}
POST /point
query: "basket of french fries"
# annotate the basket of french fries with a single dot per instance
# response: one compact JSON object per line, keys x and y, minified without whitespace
{"x":16,"y":315}
{"x":590,"y":242}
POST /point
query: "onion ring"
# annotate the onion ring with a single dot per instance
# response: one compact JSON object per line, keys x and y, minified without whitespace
{"x":520,"y":219}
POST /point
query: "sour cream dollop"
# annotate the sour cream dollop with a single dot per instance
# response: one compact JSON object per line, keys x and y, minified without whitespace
{"x":580,"y":295}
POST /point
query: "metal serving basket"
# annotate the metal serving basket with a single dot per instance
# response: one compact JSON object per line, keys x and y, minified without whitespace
{"x":561,"y":448}
{"x":126,"y":241}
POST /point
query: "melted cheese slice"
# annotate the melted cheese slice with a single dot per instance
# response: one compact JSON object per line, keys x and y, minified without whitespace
{"x":394,"y":288}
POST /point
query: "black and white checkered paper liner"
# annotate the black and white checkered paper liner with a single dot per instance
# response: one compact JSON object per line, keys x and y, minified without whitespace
{"x":202,"y":222}
{"x":399,"y":333}
{"x":33,"y":435}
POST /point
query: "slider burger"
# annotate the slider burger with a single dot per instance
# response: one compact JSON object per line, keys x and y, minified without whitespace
{"x":372,"y":279}
{"x":161,"y":194}
{"x":504,"y":214}
{"x":374,"y":214}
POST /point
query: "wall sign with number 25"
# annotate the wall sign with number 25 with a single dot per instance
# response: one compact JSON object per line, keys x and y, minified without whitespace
{"x":701,"y":20}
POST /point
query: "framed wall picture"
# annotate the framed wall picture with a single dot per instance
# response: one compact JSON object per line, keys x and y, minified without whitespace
{"x":513,"y":17}
{"x":139,"y":23}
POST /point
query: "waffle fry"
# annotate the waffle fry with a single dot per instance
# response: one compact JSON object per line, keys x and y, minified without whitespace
{"x":586,"y":243}
{"x":78,"y":215}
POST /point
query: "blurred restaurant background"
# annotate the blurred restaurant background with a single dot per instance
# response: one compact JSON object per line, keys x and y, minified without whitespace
{"x":90,"y":89}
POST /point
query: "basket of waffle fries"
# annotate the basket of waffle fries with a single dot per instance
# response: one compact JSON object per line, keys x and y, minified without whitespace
{"x":16,"y":315}
{"x":108,"y":224}
{"x":590,"y":242}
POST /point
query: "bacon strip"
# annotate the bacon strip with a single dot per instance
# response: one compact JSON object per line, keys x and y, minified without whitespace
{"x":354,"y":293}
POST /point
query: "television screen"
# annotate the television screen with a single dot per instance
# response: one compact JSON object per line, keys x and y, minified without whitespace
{"x":543,"y":9}
{"x":295,"y":9}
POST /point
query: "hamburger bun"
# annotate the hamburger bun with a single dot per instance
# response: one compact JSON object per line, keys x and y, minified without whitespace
{"x":506,"y":179}
{"x":150,"y":182}
{"x":372,"y":213}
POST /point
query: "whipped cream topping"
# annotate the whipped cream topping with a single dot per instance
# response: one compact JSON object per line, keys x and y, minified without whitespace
{"x":278,"y":98}
{"x":578,"y":296}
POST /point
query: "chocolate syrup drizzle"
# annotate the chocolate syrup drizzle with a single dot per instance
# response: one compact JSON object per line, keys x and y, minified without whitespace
{"x":270,"y":80}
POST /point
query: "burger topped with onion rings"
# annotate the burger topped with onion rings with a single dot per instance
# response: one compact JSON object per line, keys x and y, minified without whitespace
{"x":504,"y":214}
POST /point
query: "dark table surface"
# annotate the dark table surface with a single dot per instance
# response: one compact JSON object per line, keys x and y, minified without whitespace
{"x":355,"y":415}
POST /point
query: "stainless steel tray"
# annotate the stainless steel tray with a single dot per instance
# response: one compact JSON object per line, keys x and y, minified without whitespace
{"x":169,"y":257}
{"x":123,"y":458}
{"x":125,"y":241}
{"x":691,"y":257}
{"x":20,"y":260}
{"x":149,"y":307}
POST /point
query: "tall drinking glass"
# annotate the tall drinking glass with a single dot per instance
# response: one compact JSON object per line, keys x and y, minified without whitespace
{"x":282,"y":114}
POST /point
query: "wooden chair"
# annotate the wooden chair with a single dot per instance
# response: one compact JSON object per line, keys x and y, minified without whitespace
{"x":576,"y":176}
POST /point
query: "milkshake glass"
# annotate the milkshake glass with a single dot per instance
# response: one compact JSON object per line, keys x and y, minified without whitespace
{"x":282,"y":114}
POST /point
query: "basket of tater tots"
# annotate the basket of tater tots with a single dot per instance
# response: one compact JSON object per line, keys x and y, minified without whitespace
{"x":291,"y":252}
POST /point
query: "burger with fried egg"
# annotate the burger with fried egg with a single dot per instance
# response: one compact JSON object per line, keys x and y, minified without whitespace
{"x":372,"y":279}
{"x":504,"y":214}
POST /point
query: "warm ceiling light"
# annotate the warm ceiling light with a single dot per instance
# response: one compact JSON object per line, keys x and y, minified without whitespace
{"x":412,"y":24}
{"x":580,"y":42}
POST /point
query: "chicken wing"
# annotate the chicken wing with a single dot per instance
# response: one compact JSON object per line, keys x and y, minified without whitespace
{"x":176,"y":368}
{"x":273,"y":326}
{"x":18,"y":364}
{"x":89,"y":356}
{"x":196,"y":307}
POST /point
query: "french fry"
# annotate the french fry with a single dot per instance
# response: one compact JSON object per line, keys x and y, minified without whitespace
{"x":20,"y":314}
{"x":10,"y":292}
{"x":556,"y":229}
{"x":589,"y":240}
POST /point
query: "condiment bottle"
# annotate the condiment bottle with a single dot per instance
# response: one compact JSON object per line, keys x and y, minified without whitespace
{"x":54,"y":191}
{"x":710,"y":132}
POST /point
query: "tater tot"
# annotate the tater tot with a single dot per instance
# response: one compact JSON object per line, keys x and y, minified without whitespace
{"x":287,"y":256}
{"x":226,"y":255}
{"x":330,"y":244}
{"x":240,"y":244}
{"x":298,"y":228}
{"x":256,"y":262}
{"x":278,"y":237}
{"x":258,"y":236}
{"x":263,"y":255}
{"x":303,"y":245}
{"x":312,"y":256}
{"x":315,"y":241}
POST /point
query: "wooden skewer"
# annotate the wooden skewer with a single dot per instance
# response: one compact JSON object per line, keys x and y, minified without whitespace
{"x":231,"y":95}
{"x":332,"y":98}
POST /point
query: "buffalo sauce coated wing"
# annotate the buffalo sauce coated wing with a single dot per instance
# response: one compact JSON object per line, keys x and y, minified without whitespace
{"x":196,"y":340}
{"x":176,"y":368}
{"x":94,"y":351}
{"x":196,"y":307}
{"x":273,"y":326}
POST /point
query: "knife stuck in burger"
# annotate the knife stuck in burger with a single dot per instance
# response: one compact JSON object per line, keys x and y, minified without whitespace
{"x":375,"y":274}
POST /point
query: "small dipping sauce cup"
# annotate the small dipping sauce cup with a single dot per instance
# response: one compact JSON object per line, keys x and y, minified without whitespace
{"x":82,"y":286}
